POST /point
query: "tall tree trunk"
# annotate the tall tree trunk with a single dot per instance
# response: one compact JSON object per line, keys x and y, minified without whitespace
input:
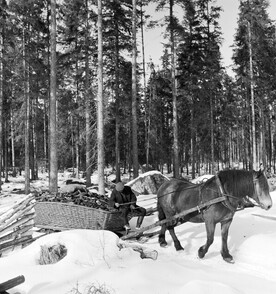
{"x":77,"y":135}
{"x":212,"y":136}
{"x":117,"y":106}
{"x":152,"y":96}
{"x":271,"y":141}
{"x":12,"y":144}
{"x":45,"y":131}
{"x":32,"y":141}
{"x":143,"y":50}
{"x":193,"y":140}
{"x":175,"y":123}
{"x":47,"y":101}
{"x":134,"y":93}
{"x":53,"y":107}
{"x":27,"y":117}
{"x":251,"y":77}
{"x":72,"y":142}
{"x":35,"y":129}
{"x":87,"y":105}
{"x":263,"y":153}
{"x":1,"y":95}
{"x":100,"y":102}
{"x":6,"y":135}
{"x":117,"y":145}
{"x":231,"y":151}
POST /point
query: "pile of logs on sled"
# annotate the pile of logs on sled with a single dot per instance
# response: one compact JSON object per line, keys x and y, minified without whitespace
{"x":16,"y":220}
{"x":78,"y":195}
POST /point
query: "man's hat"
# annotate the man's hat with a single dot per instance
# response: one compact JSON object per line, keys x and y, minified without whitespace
{"x":119,"y":187}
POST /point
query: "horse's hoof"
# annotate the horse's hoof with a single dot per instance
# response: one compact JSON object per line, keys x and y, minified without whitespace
{"x":201,"y":253}
{"x":229,"y":259}
{"x":163,"y":244}
{"x":179,"y":248}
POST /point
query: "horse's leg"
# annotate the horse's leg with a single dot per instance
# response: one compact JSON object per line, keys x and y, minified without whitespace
{"x":161,"y":237}
{"x":177,"y":244}
{"x":210,"y":230}
{"x":224,"y":235}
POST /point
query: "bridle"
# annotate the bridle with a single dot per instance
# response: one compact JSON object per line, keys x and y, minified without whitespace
{"x":245,"y":200}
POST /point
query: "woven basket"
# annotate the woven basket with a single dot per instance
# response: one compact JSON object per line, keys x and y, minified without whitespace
{"x":64,"y":216}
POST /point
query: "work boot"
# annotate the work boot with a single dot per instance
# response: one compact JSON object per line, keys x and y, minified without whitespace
{"x":139,"y":221}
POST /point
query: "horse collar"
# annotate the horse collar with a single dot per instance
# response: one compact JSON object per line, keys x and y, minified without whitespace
{"x":226,"y":202}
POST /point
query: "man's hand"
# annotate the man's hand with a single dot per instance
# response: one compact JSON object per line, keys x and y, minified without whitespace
{"x":132,"y":206}
{"x":117,"y":204}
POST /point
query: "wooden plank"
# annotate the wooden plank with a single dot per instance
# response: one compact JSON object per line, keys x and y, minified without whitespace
{"x":178,"y":215}
{"x":270,"y":217}
{"x":16,"y":208}
{"x":23,"y":221}
{"x":14,"y":242}
{"x":54,"y":228}
{"x":16,"y":232}
{"x":11,"y":283}
{"x":17,"y":216}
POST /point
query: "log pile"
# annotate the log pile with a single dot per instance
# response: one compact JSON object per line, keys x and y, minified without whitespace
{"x":16,"y":220}
{"x":80,"y":196}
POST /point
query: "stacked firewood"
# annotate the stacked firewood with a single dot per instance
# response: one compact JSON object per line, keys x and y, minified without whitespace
{"x":79,"y":197}
{"x":16,"y":220}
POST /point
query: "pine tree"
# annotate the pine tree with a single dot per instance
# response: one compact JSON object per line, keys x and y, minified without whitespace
{"x":53,"y":113}
{"x":199,"y":76}
{"x":254,"y":57}
{"x":2,"y":19}
{"x":100,"y":108}
{"x":134,"y":92}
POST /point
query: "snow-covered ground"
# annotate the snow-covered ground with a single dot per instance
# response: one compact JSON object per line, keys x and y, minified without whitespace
{"x":94,"y":259}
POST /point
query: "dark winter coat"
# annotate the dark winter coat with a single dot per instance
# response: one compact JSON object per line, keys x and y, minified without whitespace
{"x":125,"y":196}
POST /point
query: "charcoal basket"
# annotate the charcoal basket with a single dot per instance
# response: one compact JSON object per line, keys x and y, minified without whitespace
{"x":64,"y":216}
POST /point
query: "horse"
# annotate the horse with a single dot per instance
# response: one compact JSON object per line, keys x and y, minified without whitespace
{"x":176,"y":196}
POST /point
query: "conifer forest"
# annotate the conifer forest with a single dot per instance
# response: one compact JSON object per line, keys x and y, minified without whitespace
{"x":76,"y":91}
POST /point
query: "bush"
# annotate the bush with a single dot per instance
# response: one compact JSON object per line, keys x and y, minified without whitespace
{"x":92,"y":289}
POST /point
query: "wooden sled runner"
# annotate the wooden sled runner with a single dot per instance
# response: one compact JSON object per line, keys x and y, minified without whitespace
{"x":140,"y":232}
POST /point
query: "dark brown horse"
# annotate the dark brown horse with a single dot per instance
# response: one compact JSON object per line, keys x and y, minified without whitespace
{"x":176,"y":196}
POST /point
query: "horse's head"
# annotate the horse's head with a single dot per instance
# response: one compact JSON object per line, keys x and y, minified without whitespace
{"x":261,"y":190}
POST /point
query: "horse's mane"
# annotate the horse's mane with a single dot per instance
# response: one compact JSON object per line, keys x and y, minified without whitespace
{"x":237,"y":182}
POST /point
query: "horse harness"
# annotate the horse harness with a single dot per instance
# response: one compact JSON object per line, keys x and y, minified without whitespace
{"x":226,"y":202}
{"x":224,"y":199}
{"x":244,"y":201}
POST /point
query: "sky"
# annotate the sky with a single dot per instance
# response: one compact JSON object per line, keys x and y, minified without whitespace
{"x":228,"y":23}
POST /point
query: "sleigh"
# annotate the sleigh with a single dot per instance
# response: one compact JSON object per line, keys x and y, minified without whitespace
{"x":65,"y":216}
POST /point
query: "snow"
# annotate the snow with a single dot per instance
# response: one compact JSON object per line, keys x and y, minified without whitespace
{"x":146,"y":174}
{"x":95,"y":258}
{"x":201,"y":179}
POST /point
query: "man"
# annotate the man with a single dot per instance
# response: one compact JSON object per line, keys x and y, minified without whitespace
{"x":123,"y":199}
